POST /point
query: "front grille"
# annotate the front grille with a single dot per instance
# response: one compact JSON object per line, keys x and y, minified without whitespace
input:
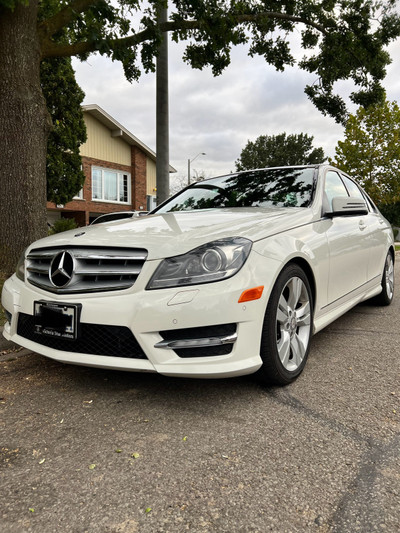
{"x":94,"y":269}
{"x":95,"y":339}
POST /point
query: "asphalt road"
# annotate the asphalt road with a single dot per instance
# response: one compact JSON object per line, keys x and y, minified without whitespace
{"x":86,"y":450}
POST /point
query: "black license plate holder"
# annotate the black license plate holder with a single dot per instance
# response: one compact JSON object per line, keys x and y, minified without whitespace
{"x":54,"y":319}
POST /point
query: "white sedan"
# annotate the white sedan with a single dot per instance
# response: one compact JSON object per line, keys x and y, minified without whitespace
{"x":231,"y":276}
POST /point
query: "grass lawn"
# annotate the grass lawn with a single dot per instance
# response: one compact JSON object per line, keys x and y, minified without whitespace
{"x":397,"y":247}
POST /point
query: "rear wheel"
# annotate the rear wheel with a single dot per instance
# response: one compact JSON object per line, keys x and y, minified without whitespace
{"x":287,"y":328}
{"x":386,"y":296}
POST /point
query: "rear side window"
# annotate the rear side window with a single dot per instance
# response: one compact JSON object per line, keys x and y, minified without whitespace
{"x":356,"y":191}
{"x":352,"y":188}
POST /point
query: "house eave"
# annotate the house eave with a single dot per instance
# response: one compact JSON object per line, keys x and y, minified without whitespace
{"x":117,"y":130}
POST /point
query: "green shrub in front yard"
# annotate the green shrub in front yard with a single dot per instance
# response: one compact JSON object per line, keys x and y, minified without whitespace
{"x":62,"y":224}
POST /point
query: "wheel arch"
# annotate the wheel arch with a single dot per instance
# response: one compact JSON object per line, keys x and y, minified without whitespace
{"x":305,"y":266}
{"x":393,"y":253}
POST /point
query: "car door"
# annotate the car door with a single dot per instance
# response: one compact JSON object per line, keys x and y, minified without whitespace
{"x":377,"y":242}
{"x":348,"y":244}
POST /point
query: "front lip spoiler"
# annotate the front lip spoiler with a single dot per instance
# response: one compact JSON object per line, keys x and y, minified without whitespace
{"x":196,"y":343}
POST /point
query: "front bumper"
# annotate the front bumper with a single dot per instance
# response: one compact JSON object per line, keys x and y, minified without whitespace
{"x":154,"y":316}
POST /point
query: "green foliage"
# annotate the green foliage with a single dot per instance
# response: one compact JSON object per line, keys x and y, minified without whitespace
{"x":279,"y":150}
{"x":391,"y":212}
{"x":344,"y":39}
{"x":63,"y":98}
{"x":12,"y":4}
{"x":62,"y":224}
{"x":370,"y":152}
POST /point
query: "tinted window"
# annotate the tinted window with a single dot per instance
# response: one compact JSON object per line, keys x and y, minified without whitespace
{"x":280,"y":187}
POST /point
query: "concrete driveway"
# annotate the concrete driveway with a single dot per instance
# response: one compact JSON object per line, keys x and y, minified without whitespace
{"x":85,"y":450}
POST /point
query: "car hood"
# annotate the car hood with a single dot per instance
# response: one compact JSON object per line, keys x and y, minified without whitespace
{"x":170,"y":234}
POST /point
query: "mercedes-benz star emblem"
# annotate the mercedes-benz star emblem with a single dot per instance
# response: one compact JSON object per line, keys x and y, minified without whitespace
{"x":61,"y":269}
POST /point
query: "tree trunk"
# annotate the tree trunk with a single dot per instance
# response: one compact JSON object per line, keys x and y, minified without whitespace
{"x":24,"y":128}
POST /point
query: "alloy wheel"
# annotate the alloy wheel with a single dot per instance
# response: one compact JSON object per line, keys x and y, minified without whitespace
{"x":293,"y":324}
{"x":389,"y":276}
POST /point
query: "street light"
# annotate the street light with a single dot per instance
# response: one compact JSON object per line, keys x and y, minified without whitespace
{"x":191,"y":161}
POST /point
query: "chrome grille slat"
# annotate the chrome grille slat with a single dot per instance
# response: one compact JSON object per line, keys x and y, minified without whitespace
{"x":104,"y":270}
{"x":100,"y":257}
{"x":44,"y":255}
{"x":39,"y":269}
{"x":96,"y":269}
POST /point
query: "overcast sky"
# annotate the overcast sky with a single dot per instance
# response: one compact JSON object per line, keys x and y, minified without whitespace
{"x":218,"y":115}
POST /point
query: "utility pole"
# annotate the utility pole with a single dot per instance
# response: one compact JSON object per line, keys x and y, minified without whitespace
{"x":162,"y":114}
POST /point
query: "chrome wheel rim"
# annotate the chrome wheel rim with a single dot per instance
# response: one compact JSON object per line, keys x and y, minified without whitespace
{"x":293,"y":324}
{"x":389,"y":276}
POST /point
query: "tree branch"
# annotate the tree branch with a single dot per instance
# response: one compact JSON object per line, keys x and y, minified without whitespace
{"x":52,"y":49}
{"x":47,"y":28}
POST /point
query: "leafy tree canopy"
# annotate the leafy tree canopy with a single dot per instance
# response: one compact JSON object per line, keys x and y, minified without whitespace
{"x":63,"y":99}
{"x":370,"y":151}
{"x":279,"y":150}
{"x":343,"y":39}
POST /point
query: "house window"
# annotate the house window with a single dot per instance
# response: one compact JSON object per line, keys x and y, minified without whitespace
{"x":110,"y":185}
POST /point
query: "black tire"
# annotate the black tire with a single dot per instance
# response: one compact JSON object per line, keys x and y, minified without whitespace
{"x":386,"y":296}
{"x":287,"y":329}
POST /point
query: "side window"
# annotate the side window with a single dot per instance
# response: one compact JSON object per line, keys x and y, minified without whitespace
{"x":333,"y":187}
{"x":352,"y":188}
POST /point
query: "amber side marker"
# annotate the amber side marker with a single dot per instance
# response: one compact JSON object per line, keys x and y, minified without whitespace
{"x":251,"y":294}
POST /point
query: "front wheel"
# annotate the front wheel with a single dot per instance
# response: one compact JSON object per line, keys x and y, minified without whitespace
{"x":386,"y":296}
{"x":287,"y":328}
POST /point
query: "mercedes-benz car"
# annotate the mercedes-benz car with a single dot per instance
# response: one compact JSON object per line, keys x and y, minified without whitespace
{"x":231,"y":276}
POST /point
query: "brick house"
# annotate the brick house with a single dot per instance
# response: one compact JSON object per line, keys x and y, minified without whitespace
{"x":120,"y":172}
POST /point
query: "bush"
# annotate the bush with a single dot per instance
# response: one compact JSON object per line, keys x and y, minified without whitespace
{"x":62,"y":224}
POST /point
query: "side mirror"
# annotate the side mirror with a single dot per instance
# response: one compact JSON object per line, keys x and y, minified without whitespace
{"x":347,"y":206}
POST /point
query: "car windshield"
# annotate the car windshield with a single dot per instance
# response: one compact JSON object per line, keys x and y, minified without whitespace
{"x":273,"y":187}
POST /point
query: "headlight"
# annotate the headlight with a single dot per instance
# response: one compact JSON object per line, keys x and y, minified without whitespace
{"x":211,"y":262}
{"x":20,"y":270}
